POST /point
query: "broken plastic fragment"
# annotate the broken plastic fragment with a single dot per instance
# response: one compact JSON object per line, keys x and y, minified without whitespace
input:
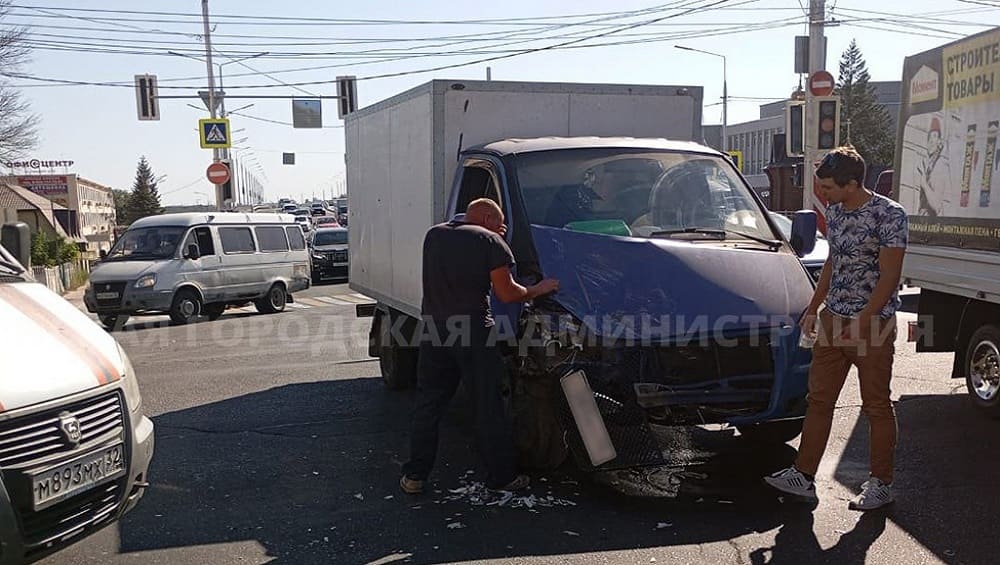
{"x":359,"y":496}
{"x":455,"y":525}
{"x":570,"y":533}
{"x":661,"y":525}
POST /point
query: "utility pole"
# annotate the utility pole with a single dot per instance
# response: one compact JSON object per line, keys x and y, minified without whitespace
{"x":817,"y":62}
{"x":219,"y":204}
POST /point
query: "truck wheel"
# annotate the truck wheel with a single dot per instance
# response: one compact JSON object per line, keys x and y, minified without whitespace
{"x":214,"y":311}
{"x":780,"y":431}
{"x":398,"y":364}
{"x":113,"y":321}
{"x":274,"y":301}
{"x":185,"y":307}
{"x":982,"y":370}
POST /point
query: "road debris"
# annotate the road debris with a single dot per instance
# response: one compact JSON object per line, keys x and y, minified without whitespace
{"x":662,"y":525}
{"x":456,"y":526}
{"x":657,"y":481}
{"x":476,"y":494}
{"x":359,"y":496}
{"x":570,"y":533}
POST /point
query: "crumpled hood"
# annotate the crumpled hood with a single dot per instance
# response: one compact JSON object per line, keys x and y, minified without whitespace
{"x":49,"y":348}
{"x":122,"y":270}
{"x":607,"y":278}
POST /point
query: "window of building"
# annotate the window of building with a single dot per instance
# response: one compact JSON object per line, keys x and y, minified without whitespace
{"x":237,"y":240}
{"x":271,"y":238}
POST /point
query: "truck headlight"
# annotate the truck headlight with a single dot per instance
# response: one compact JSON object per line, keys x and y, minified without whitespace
{"x":319,"y":257}
{"x":133,"y":398}
{"x":146,"y":281}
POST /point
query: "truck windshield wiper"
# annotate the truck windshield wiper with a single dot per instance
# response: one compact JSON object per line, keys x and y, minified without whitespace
{"x":772,"y":243}
{"x":12,"y":267}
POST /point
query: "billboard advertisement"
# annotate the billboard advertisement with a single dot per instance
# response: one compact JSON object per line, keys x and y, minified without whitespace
{"x":947,"y":160}
{"x":53,"y":187}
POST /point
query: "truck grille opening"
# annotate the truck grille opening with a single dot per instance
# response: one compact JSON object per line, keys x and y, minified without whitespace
{"x":36,"y":440}
{"x":53,"y":527}
{"x":28,"y":439}
{"x":112,"y":287}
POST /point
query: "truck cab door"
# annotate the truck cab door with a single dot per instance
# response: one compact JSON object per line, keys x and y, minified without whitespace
{"x":483,"y":177}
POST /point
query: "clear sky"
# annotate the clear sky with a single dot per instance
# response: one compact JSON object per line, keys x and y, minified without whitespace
{"x":96,"y":126}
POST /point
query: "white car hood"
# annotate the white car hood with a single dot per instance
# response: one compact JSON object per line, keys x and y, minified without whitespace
{"x":49,"y":348}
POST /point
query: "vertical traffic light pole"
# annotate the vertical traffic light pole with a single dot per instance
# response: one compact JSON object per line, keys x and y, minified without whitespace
{"x":817,"y":62}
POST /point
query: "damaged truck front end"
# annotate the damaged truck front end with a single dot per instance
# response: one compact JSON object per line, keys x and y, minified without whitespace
{"x":717,"y":346}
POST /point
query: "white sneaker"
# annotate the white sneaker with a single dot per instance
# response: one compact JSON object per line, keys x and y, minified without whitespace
{"x":874,"y":494}
{"x":791,"y":481}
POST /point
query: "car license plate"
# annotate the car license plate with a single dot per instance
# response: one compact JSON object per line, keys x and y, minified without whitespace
{"x":83,"y":473}
{"x":107,"y":295}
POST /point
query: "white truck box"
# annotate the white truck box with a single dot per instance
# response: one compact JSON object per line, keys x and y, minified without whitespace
{"x":402,"y":154}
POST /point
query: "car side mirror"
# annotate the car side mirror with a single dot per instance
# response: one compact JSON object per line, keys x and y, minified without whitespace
{"x":193,"y":252}
{"x":103,"y":254}
{"x":803,"y":238}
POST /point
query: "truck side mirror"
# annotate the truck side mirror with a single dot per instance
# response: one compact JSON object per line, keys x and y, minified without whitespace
{"x":192,"y":252}
{"x":16,"y":238}
{"x":803,"y":238}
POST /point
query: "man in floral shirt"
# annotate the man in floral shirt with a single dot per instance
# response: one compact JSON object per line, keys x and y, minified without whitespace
{"x":859,"y":287}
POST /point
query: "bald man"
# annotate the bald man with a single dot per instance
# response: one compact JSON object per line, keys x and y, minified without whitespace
{"x":462,"y":261}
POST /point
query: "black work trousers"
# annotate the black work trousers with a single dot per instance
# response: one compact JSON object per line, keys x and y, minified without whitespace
{"x":477,"y":363}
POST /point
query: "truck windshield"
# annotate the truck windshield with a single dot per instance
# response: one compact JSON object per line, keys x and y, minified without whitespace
{"x":147,"y":243}
{"x":638,"y":193}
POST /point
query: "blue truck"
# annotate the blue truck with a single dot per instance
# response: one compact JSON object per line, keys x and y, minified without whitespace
{"x":679,"y":297}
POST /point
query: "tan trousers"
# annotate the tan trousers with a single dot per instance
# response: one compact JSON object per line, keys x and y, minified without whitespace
{"x":832,"y":360}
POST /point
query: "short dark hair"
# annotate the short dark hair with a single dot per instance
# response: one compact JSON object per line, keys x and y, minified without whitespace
{"x":843,"y":165}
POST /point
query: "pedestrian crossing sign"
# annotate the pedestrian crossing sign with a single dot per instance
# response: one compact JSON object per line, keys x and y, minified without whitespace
{"x":214,"y":133}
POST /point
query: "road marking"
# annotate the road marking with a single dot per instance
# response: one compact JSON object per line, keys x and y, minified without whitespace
{"x":298,"y":306}
{"x":331,"y":300}
{"x":356,"y":298}
{"x":309,"y":302}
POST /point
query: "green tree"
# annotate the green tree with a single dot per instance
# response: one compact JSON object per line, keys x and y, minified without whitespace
{"x":39,"y":249}
{"x":18,"y":126}
{"x":864,"y":123}
{"x":121,"y":204}
{"x":145,"y":198}
{"x":49,"y":251}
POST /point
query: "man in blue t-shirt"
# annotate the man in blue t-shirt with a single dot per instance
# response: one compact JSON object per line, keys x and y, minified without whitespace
{"x":462,"y":261}
{"x":859,"y":285}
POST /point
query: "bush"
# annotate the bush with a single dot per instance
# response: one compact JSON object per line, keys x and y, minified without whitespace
{"x":49,"y":251}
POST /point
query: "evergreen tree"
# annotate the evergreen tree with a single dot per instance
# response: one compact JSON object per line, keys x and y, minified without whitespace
{"x":864,"y":123}
{"x":121,"y":204}
{"x":145,"y":198}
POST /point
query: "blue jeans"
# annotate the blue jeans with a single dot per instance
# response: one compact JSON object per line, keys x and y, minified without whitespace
{"x":479,"y":365}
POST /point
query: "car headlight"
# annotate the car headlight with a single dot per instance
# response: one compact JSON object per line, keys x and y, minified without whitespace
{"x":129,"y":383}
{"x":146,"y":281}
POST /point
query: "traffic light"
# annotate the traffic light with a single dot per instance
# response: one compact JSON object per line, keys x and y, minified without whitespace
{"x":795,"y":127}
{"x":147,"y":99}
{"x":227,"y":187}
{"x":828,"y":116}
{"x":347,"y":95}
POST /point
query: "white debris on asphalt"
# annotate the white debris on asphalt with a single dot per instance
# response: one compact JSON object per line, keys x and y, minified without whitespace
{"x":388,"y":497}
{"x":359,"y":496}
{"x":657,"y":481}
{"x":661,"y":525}
{"x":476,"y":494}
{"x":455,"y":526}
{"x":570,"y":533}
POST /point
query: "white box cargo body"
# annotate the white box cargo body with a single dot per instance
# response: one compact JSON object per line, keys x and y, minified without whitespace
{"x":402,"y":154}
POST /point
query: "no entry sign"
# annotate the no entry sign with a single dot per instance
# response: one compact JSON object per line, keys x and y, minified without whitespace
{"x":217,"y":173}
{"x":821,"y":83}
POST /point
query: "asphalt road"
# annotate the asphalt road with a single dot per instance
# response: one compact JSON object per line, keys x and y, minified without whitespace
{"x":276,"y":443}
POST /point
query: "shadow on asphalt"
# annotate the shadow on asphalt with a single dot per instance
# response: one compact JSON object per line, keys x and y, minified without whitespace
{"x":946,"y":467}
{"x":310,"y":471}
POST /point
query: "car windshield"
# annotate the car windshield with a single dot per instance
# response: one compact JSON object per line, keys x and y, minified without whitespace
{"x":147,"y":243}
{"x":332,"y":237}
{"x":639,"y":193}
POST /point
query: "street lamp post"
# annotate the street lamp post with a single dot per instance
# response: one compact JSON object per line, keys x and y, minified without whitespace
{"x":725,"y":92}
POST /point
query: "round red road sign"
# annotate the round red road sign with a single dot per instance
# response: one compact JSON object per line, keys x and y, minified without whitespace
{"x":217,"y":173}
{"x":821,"y":83}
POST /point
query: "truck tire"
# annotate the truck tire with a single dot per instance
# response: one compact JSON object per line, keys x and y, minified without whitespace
{"x":982,"y":370}
{"x":274,"y":301}
{"x":398,"y":364}
{"x":780,"y":431}
{"x":186,"y":306}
